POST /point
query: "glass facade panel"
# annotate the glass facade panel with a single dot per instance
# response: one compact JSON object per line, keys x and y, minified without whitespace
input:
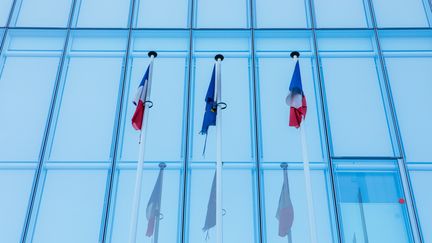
{"x":5,"y":8}
{"x":421,"y":179}
{"x":153,"y":14}
{"x":222,"y":14}
{"x":42,"y":13}
{"x":369,"y":199}
{"x":23,"y":52}
{"x":90,"y":88}
{"x":272,"y":183}
{"x":281,"y":14}
{"x":15,"y":187}
{"x":279,"y":142}
{"x":415,"y":13}
{"x":70,"y":208}
{"x":102,"y":13}
{"x":171,"y":204}
{"x":354,"y":14}
{"x":358,"y":122}
{"x":237,"y":134}
{"x":240,"y":213}
{"x":408,"y":66}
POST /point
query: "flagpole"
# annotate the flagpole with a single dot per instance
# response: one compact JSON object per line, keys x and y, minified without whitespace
{"x":219,"y":236}
{"x":156,"y":234}
{"x":140,"y":164}
{"x":311,"y":214}
{"x":363,"y":219}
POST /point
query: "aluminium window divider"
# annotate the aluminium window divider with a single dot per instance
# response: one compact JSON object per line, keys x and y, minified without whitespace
{"x":35,"y":190}
{"x":326,"y":126}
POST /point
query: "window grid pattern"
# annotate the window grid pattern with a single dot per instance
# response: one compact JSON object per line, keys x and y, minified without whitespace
{"x":332,"y":160}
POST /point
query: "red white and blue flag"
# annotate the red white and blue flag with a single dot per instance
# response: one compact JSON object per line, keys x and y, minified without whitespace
{"x":296,"y":99}
{"x":285,"y":211}
{"x":139,"y":101}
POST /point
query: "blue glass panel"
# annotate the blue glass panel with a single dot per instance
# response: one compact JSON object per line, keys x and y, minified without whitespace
{"x":28,"y":73}
{"x":408,"y":59}
{"x":15,"y":187}
{"x":368,"y":199}
{"x":87,"y":104}
{"x":281,"y":14}
{"x":238,"y":201}
{"x":237,"y":122}
{"x":70,"y":208}
{"x":169,"y":229}
{"x":102,"y":13}
{"x":421,"y":180}
{"x":166,"y":125}
{"x":42,"y":13}
{"x":279,"y":142}
{"x":402,"y":13}
{"x":153,"y":14}
{"x":272,"y":180}
{"x":5,"y":7}
{"x":355,"y":102}
{"x":222,"y":14}
{"x":341,"y":13}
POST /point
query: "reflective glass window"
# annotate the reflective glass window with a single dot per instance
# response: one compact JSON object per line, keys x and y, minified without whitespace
{"x":169,"y":228}
{"x":25,"y":96}
{"x":15,"y":187}
{"x":153,"y":14}
{"x":408,"y":60}
{"x":238,"y":197}
{"x":356,"y":103}
{"x":281,"y":14}
{"x":236,"y":85}
{"x":85,"y":112}
{"x":368,"y":199}
{"x":70,"y":206}
{"x":341,"y":13}
{"x":166,"y":124}
{"x":5,"y":8}
{"x":102,"y":13}
{"x":402,"y":13}
{"x":222,"y":14}
{"x":420,"y":181}
{"x":279,"y":142}
{"x":42,"y":13}
{"x":273,"y":179}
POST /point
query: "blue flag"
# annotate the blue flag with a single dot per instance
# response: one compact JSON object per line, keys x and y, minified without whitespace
{"x":211,"y":107}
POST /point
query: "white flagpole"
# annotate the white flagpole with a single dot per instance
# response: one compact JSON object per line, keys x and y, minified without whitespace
{"x":139,"y":172}
{"x":311,"y":213}
{"x":219,"y":236}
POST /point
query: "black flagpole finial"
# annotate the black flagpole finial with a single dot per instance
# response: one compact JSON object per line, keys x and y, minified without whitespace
{"x":219,"y":56}
{"x":284,"y":165}
{"x":152,"y":53}
{"x":162,"y":165}
{"x":295,"y":54}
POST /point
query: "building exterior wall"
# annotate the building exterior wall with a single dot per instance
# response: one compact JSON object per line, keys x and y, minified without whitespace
{"x":68,"y":153}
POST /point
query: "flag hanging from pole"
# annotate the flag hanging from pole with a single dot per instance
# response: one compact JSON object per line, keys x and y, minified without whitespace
{"x":285,"y":211}
{"x":296,"y":99}
{"x":139,"y":101}
{"x":153,"y":205}
{"x":210,"y":220}
{"x":211,"y":108}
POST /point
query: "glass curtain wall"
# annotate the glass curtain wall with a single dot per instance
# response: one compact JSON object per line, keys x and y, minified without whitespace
{"x":69,"y":70}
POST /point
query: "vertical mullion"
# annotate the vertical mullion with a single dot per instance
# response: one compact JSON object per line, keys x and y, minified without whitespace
{"x":324,"y":122}
{"x":7,"y":26}
{"x":115,"y":145}
{"x":255,"y":117}
{"x":402,"y":166}
{"x":186,"y":138}
{"x":50,"y":118}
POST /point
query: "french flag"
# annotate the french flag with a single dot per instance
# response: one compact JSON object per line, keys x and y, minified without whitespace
{"x":296,"y":99}
{"x":139,"y":100}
